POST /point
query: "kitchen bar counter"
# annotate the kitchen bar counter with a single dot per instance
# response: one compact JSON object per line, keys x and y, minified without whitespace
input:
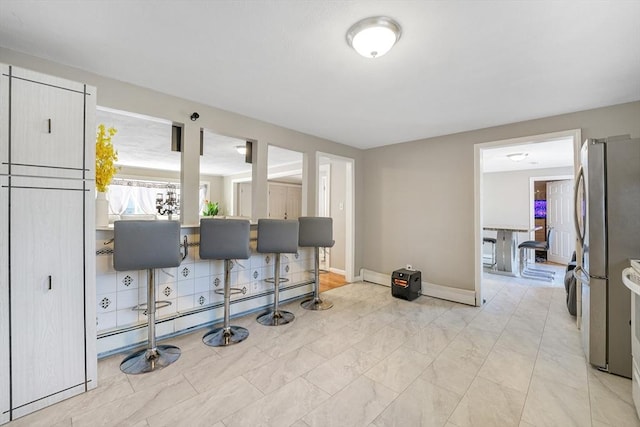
{"x":190,"y":288}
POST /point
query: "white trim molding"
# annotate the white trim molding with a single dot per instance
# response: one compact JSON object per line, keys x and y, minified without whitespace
{"x":448,"y":293}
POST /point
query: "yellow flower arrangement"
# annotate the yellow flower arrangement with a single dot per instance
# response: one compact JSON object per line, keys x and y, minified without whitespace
{"x":105,"y":156}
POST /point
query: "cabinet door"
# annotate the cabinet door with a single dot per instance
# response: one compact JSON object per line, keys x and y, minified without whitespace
{"x":4,"y":303}
{"x":47,"y":289}
{"x":47,"y":130}
{"x":4,"y":119}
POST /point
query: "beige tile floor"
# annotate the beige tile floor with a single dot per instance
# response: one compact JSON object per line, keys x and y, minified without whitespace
{"x":374,"y":360}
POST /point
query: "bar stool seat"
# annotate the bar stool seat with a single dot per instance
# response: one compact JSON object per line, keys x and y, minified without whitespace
{"x":316,"y":232}
{"x":139,"y":245}
{"x":277,"y":236}
{"x":225,"y":239}
{"x":535,"y":273}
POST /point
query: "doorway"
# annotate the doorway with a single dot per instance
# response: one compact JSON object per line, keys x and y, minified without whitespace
{"x":508,"y":150}
{"x":336,"y":198}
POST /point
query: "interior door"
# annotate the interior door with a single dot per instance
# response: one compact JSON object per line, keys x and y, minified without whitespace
{"x":560,"y":216}
{"x":294,"y":202}
{"x":277,"y":201}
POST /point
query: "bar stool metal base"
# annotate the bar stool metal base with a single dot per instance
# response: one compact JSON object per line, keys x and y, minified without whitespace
{"x":276,"y":318}
{"x":150,"y":359}
{"x":316,"y":304}
{"x":222,"y":337}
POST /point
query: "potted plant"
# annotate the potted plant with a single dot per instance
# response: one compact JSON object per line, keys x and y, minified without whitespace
{"x":210,"y":208}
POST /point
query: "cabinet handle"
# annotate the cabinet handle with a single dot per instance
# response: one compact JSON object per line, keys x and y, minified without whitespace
{"x":49,"y":282}
{"x":49,"y":122}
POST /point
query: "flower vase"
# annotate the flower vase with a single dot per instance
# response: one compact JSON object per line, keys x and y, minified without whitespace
{"x":102,"y":209}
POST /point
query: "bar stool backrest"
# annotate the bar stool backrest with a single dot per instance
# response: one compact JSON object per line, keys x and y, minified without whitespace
{"x":316,"y":231}
{"x":224,"y":238}
{"x":141,"y":244}
{"x":549,"y":237}
{"x":278,"y":236}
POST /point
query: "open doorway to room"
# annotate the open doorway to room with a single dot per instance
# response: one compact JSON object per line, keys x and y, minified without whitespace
{"x":335,"y":194}
{"x":505,"y":173}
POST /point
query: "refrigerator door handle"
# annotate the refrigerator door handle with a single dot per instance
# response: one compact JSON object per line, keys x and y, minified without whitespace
{"x":578,"y":209}
{"x":580,"y":275}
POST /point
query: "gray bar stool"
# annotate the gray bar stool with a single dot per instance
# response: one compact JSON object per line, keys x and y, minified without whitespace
{"x":225,"y":239}
{"x":316,"y":232}
{"x":493,"y":242}
{"x":277,"y":236}
{"x":536,"y":245}
{"x":139,"y":245}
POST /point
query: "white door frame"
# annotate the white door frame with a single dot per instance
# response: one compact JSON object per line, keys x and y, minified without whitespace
{"x":350,"y":238}
{"x":576,"y":134}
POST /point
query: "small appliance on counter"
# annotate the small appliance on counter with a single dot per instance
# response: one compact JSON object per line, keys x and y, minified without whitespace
{"x":406,"y":284}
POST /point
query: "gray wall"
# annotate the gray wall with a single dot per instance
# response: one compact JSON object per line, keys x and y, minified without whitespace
{"x":506,"y":197}
{"x":419,"y":196}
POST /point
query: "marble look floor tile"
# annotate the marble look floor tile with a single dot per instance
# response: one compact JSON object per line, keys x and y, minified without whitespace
{"x":289,"y":341}
{"x":493,"y":322}
{"x":432,"y":339}
{"x":569,"y":369}
{"x":551,"y":403}
{"x":421,"y":404}
{"x":108,"y":390}
{"x":382,"y":343}
{"x":134,"y":408}
{"x":561,"y":343}
{"x":216,"y":372}
{"x":299,"y":423}
{"x":334,"y":343}
{"x":399,"y":369}
{"x":508,"y":368}
{"x":329,"y":321}
{"x":446,"y":374}
{"x":189,"y":359}
{"x":488,"y":404}
{"x":373,"y":322}
{"x":520,"y":341}
{"x":273,"y":375}
{"x":280,"y":408}
{"x":358,"y":404}
{"x":110,"y":366}
{"x":210,"y":407}
{"x":334,"y":374}
{"x":610,"y":399}
{"x":474,"y":343}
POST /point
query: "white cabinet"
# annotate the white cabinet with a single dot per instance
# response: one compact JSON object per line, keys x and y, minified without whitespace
{"x":47,"y":240}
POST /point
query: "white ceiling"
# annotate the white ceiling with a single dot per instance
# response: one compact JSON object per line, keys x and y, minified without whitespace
{"x":460,"y":65}
{"x":540,"y":155}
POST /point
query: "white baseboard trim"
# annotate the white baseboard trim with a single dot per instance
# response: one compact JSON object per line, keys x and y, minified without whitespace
{"x":448,"y":293}
{"x":337,"y":271}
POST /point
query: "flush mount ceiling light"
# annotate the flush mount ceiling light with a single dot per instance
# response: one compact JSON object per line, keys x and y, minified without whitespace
{"x":242,"y":149}
{"x":373,"y":37}
{"x":517,"y":157}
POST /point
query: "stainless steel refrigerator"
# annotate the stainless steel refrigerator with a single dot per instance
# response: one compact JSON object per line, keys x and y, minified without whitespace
{"x":608,"y":230}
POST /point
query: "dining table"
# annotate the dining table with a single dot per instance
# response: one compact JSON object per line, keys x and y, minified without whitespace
{"x":507,"y":246}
